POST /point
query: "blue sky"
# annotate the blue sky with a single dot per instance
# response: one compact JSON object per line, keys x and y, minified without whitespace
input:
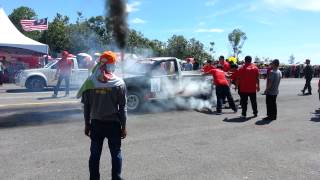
{"x":275,"y":28}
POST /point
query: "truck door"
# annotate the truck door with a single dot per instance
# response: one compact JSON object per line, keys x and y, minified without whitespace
{"x":165,"y":79}
{"x":79,"y":73}
{"x":50,"y":73}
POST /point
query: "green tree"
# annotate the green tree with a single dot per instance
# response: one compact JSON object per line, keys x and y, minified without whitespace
{"x":57,"y":35}
{"x":211,"y":49}
{"x":103,"y":30}
{"x":24,"y":12}
{"x":84,"y":37}
{"x":237,"y":39}
{"x":195,"y":49}
{"x":158,"y":47}
{"x":177,"y":46}
{"x":291,"y":59}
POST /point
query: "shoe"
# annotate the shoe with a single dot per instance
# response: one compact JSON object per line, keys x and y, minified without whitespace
{"x":217,"y":113}
{"x":269,"y":119}
{"x":308,"y":94}
{"x":235,"y":110}
{"x":243,"y":117}
{"x":255,"y":115}
{"x":54,"y":95}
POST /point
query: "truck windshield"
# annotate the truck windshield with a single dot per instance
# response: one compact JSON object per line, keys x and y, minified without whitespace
{"x":137,"y":68}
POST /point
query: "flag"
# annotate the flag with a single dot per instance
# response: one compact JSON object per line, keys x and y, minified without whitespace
{"x":34,"y":25}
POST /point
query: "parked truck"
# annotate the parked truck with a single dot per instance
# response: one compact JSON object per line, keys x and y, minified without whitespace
{"x":38,"y":79}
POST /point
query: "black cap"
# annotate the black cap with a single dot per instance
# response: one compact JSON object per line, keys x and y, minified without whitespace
{"x":248,"y":59}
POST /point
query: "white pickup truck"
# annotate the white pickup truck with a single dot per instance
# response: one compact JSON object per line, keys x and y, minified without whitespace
{"x":38,"y":79}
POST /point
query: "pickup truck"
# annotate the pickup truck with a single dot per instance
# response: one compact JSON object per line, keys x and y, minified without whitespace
{"x":38,"y":79}
{"x":162,"y":78}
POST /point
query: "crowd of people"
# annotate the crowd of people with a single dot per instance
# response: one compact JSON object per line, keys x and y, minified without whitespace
{"x":8,"y":70}
{"x":246,"y":79}
{"x":294,"y":71}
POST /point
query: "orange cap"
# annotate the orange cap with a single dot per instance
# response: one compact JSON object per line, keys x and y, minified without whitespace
{"x":108,"y":57}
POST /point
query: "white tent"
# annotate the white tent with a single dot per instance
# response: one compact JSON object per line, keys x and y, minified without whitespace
{"x":11,"y":37}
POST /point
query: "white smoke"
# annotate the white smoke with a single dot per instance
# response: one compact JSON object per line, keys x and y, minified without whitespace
{"x":182,"y":95}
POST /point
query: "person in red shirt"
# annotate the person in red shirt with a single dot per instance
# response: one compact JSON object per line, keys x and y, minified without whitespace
{"x":222,"y":89}
{"x":248,"y":82}
{"x":225,"y":65}
{"x":207,"y":67}
{"x":64,"y":67}
{"x":233,"y":73}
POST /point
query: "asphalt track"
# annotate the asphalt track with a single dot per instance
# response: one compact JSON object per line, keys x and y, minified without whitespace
{"x":42,"y":138}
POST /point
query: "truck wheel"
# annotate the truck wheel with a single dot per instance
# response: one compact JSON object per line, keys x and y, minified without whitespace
{"x":134,"y":101}
{"x":35,"y":84}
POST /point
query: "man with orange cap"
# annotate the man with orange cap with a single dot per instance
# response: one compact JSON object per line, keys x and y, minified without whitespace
{"x":105,"y":113}
{"x":64,"y":67}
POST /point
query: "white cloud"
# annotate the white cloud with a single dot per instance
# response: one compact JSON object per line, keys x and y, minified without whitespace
{"x":211,"y":2}
{"x":213,"y":30}
{"x":138,"y":21}
{"x":133,"y":7}
{"x":306,"y":5}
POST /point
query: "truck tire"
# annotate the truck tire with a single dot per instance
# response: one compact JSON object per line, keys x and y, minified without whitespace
{"x":134,"y":101}
{"x":35,"y":83}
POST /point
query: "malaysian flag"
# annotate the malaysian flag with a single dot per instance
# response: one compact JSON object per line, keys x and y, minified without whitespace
{"x":34,"y":25}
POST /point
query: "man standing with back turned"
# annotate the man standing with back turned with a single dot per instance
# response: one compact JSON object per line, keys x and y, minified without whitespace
{"x":272,"y":90}
{"x":308,"y":74}
{"x":249,"y":84}
{"x":105,"y":112}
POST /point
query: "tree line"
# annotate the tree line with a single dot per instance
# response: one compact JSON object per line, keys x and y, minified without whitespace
{"x":94,"y":34}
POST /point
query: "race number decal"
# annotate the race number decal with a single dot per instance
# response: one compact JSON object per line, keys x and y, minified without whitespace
{"x":155,"y":84}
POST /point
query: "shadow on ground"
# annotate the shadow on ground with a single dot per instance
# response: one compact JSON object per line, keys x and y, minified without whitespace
{"x":44,"y":90}
{"x":316,"y":117}
{"x":263,"y":122}
{"x":33,"y":118}
{"x":27,"y":90}
{"x":238,"y":119}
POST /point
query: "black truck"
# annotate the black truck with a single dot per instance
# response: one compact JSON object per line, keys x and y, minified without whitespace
{"x":161,"y":78}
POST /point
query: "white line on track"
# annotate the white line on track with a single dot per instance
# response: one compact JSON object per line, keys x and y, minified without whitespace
{"x":38,"y":104}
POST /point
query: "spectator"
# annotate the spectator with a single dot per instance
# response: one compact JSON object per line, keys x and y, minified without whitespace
{"x":1,"y":71}
{"x":188,"y":66}
{"x":207,"y":66}
{"x":225,"y":65}
{"x":308,"y":73}
{"x":272,"y":90}
{"x":64,"y":67}
{"x":105,"y":114}
{"x":248,"y":81}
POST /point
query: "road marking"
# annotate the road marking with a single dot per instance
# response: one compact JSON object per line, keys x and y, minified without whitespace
{"x":40,"y":103}
{"x":32,"y":96}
